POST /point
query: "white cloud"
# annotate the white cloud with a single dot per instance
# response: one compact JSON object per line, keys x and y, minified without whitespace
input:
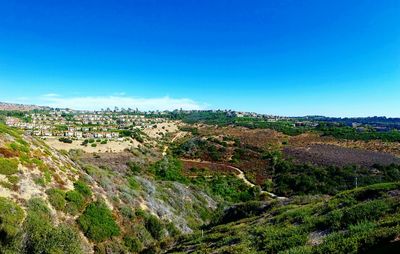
{"x":98,"y":102}
{"x":51,"y":95}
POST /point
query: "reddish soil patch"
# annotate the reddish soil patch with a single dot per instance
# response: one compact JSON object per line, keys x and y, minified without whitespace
{"x":8,"y":153}
{"x":256,"y":169}
{"x":256,"y":175}
{"x":332,"y":155}
{"x":260,"y":138}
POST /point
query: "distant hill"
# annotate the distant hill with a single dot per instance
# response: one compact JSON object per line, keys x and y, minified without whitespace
{"x":20,"y":107}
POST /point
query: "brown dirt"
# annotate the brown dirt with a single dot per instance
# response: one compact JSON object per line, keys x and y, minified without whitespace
{"x":307,"y":139}
{"x":116,"y":161}
{"x":326,"y":155}
{"x":260,"y":138}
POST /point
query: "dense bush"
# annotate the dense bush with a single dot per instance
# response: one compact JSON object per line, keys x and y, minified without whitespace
{"x":56,"y":198}
{"x":346,"y":132}
{"x":299,"y":179}
{"x":134,"y":167}
{"x":43,"y":237}
{"x":169,"y":169}
{"x":154,"y":226}
{"x":211,"y":149}
{"x":97,"y":222}
{"x":75,"y":201}
{"x":362,"y":220}
{"x":133,"y":244}
{"x":226,"y":187}
{"x":65,"y":140}
{"x":83,"y":188}
{"x":273,"y":239}
{"x":241,"y":211}
{"x":11,"y":216}
{"x":8,"y":166}
{"x":135,"y":134}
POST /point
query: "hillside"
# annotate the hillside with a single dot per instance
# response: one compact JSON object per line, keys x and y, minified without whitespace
{"x":363,"y":220}
{"x":200,"y":189}
{"x":52,"y":204}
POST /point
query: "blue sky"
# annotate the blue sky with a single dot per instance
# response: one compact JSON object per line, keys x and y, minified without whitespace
{"x":335,"y":58}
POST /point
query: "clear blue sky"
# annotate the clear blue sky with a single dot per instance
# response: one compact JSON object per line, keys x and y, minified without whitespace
{"x":335,"y":58}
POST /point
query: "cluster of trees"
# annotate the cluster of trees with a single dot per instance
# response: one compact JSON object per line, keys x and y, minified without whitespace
{"x":65,"y":140}
{"x":226,"y":187}
{"x":14,"y":113}
{"x":210,"y":149}
{"x":135,"y":133}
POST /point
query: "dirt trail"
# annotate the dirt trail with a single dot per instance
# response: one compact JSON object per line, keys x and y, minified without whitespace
{"x":240,"y":174}
{"x":178,"y":135}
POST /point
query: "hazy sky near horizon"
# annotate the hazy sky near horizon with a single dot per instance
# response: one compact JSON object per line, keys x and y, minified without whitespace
{"x":285,"y":57}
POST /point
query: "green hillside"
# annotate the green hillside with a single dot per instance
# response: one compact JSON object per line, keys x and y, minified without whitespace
{"x":354,"y":221}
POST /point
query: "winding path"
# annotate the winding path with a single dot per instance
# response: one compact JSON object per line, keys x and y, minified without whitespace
{"x":240,"y":174}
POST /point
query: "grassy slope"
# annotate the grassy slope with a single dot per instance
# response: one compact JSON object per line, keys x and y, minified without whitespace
{"x":350,"y":222}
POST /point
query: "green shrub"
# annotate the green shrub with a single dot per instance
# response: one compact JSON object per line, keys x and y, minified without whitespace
{"x":6,"y":185}
{"x":227,"y":187}
{"x":169,"y":169}
{"x":18,"y":147}
{"x":98,"y":223}
{"x":65,"y":140}
{"x":135,"y":168}
{"x":154,"y":226}
{"x":11,"y":216}
{"x":8,"y":166}
{"x":337,"y":243}
{"x":40,"y":181}
{"x":43,"y":237}
{"x":83,"y":188}
{"x":110,"y":247}
{"x":273,"y":239}
{"x":75,"y":201}
{"x":56,"y":198}
{"x":133,"y":243}
{"x":371,"y":210}
{"x":93,"y":145}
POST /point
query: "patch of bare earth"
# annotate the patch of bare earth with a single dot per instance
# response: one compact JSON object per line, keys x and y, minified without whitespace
{"x":307,"y":139}
{"x":327,"y":155}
